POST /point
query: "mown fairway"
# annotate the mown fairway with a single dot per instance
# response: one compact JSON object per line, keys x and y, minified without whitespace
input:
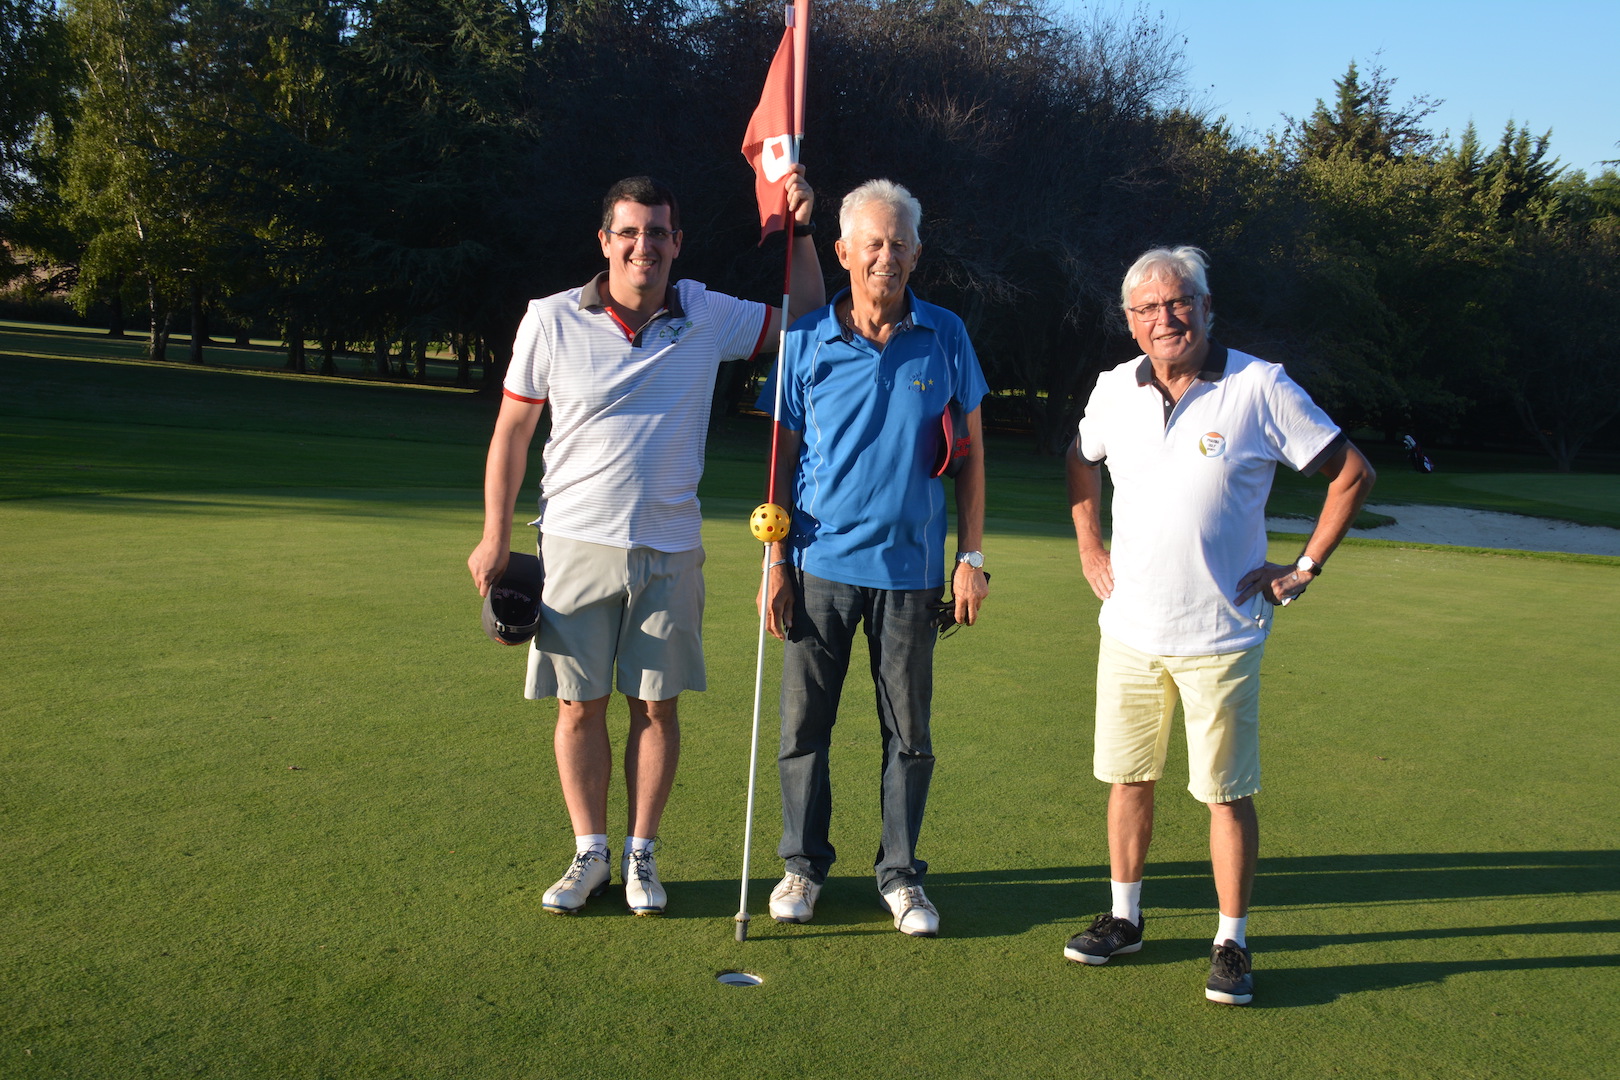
{"x":273,"y":806}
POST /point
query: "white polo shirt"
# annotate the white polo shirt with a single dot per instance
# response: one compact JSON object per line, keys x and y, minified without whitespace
{"x":1190,"y":488}
{"x":629,"y":413}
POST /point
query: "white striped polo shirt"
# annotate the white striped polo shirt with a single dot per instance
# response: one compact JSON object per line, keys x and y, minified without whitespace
{"x":629,"y":414}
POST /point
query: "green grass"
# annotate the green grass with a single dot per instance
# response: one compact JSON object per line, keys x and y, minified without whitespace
{"x":273,"y":806}
{"x":44,"y":341}
{"x":1479,"y":481}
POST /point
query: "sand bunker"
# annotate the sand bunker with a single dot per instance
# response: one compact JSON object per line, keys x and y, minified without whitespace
{"x":1476,"y":528}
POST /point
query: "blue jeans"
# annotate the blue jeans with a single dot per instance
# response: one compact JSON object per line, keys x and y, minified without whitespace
{"x":900,"y":636}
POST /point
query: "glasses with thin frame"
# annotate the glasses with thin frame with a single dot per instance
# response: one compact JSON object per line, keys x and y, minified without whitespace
{"x":654,"y":235}
{"x":1179,"y":306}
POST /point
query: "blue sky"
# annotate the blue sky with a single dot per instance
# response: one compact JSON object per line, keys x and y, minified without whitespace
{"x":1552,"y":64}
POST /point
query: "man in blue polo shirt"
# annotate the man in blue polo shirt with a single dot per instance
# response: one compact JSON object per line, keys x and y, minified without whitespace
{"x":1192,"y":433}
{"x":865,"y":382}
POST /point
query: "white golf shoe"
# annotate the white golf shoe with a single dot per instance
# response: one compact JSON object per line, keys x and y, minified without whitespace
{"x":587,"y":876}
{"x":794,"y":898}
{"x":913,"y":913}
{"x":642,"y":889}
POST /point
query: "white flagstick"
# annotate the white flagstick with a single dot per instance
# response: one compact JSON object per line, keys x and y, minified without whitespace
{"x":753,"y":768}
{"x":742,"y":917}
{"x":764,"y":584}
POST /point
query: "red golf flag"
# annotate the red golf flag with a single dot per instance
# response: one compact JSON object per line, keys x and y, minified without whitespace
{"x":768,"y":142}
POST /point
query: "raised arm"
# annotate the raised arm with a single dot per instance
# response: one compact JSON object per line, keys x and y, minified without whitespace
{"x":807,"y":290}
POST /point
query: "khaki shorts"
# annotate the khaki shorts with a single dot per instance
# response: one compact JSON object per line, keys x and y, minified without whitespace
{"x":635,"y":611}
{"x":1220,"y":699}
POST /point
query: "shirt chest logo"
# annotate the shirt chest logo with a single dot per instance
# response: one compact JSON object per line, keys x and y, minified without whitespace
{"x":1212,"y":444}
{"x":672,"y":331}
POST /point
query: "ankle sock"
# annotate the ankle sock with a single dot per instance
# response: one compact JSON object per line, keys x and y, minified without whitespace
{"x":1233,"y":928}
{"x":591,"y":842}
{"x":638,"y":843}
{"x":1127,"y":900}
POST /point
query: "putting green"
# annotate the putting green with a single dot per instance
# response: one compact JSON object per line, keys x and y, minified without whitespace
{"x":274,"y":806}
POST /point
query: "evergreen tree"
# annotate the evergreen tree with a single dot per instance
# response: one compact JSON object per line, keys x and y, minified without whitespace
{"x":1363,"y":122}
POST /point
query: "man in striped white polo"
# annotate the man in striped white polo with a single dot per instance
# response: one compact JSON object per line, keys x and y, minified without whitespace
{"x":627,"y":364}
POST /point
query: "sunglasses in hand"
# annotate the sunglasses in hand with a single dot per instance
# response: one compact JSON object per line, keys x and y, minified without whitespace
{"x":945,"y":614}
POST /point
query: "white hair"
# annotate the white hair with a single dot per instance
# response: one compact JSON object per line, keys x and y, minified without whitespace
{"x":888,"y":193}
{"x":1185,"y":264}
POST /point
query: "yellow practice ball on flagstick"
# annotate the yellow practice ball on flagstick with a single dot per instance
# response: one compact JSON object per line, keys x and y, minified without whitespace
{"x":769,"y":523}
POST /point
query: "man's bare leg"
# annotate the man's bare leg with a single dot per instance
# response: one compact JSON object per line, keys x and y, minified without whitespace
{"x":584,"y":762}
{"x":1234,"y":847}
{"x":1130,"y":829}
{"x":651,"y":752}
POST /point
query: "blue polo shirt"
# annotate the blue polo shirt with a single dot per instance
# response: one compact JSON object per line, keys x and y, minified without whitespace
{"x":865,"y":509}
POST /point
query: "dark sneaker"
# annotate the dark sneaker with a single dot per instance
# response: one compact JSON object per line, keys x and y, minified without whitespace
{"x":1108,"y":935}
{"x":1231,"y":982}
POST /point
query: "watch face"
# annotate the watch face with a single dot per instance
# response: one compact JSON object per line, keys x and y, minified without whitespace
{"x":974,"y":559}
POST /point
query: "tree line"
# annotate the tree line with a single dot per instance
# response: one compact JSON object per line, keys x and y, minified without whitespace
{"x":381,"y":175}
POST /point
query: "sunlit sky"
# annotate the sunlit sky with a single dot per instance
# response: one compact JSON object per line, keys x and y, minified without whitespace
{"x":1551,"y":63}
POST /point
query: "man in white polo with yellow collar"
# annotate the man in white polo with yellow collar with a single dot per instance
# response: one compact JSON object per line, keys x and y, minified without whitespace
{"x":1192,"y":433}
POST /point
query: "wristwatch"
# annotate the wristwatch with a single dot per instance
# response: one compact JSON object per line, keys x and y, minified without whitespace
{"x":1309,"y":565}
{"x":974,"y":559}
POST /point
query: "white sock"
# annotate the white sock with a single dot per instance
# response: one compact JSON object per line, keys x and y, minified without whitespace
{"x":1127,"y":900}
{"x":591,"y":842}
{"x":638,"y":843}
{"x":1233,"y":928}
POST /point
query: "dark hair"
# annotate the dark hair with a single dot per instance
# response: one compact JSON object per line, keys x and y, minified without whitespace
{"x":644,"y":190}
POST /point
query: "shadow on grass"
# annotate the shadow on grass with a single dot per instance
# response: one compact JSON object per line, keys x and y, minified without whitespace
{"x":1004,"y":903}
{"x":1011,"y":902}
{"x":1291,"y":988}
{"x":847,"y":906}
{"x":1305,"y":985}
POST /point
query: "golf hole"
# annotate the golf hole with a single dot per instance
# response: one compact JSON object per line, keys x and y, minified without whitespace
{"x":738,"y":978}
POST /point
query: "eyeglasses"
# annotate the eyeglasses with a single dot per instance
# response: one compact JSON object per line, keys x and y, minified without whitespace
{"x":945,"y":614}
{"x":1179,"y":306}
{"x":654,"y":235}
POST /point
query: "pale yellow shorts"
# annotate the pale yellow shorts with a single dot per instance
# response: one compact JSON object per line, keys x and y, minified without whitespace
{"x":1220,"y":700}
{"x":604,"y":610}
